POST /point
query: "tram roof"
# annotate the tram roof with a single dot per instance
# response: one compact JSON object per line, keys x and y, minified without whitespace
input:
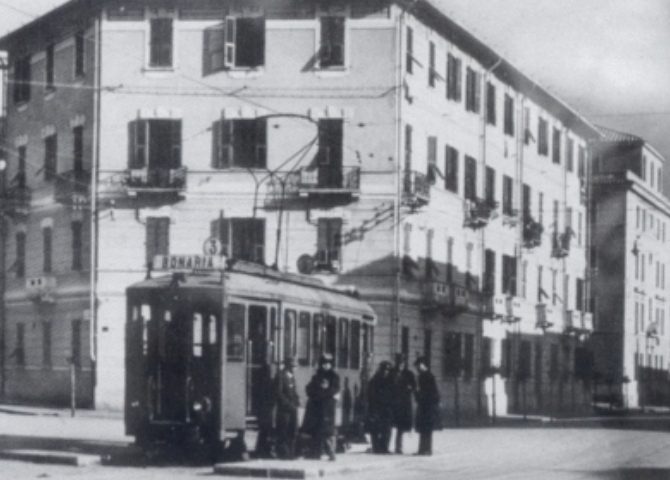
{"x":292,"y":289}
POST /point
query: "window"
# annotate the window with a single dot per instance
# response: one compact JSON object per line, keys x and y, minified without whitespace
{"x":331,"y":53}
{"x":509,"y":115}
{"x":554,"y":286}
{"x":541,"y":294}
{"x":451,"y":169}
{"x":330,"y":336}
{"x":20,"y":350}
{"x":408,"y":148}
{"x":490,"y":103}
{"x":22,"y":79}
{"x":542,"y":137}
{"x":540,"y":208}
{"x":570,"y":154}
{"x":555,"y":219}
{"x":50,"y":156}
{"x":472,"y":91}
{"x":470,"y":187}
{"x":289,"y":333}
{"x":235,"y":332}
{"x":508,"y":196}
{"x":409,"y":60}
{"x":75,"y":347}
{"x":46,"y":344}
{"x":404,"y":341}
{"x":240,"y":143}
{"x":20,"y":254}
{"x":20,"y":179}
{"x":47,"y":248}
{"x":79,"y":50}
{"x":343,"y":349}
{"x":525,"y":201}
{"x":238,"y":42}
{"x":303,"y":338}
{"x":509,"y":275}
{"x":77,"y":238}
{"x":49,"y":68}
{"x":452,"y":362}
{"x":160,"y":49}
{"x":78,"y":149}
{"x":468,"y":355}
{"x":568,"y":218}
{"x":329,"y":243}
{"x":431,"y":268}
{"x":329,"y":154}
{"x":450,"y":260}
{"x":489,"y":272}
{"x":556,"y":147}
{"x":157,"y":237}
{"x":242,"y":238}
{"x":527,"y":134}
{"x":355,"y":360}
{"x":432,"y":159}
{"x":581,"y":162}
{"x":490,"y":192}
{"x":155,"y":144}
{"x":454,"y":78}
{"x":432,"y":73}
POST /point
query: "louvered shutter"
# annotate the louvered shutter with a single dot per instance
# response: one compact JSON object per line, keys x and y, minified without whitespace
{"x":227,"y":152}
{"x":213,"y":54}
{"x":230,"y":46}
{"x":137,"y":143}
{"x":175,"y":143}
{"x":261,"y":143}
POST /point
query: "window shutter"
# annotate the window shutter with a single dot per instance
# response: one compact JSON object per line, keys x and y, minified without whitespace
{"x":164,"y":236}
{"x":322,"y":240}
{"x":230,"y":43}
{"x":175,"y":142}
{"x":258,"y":29}
{"x":458,"y":80}
{"x":477,"y":91}
{"x":259,"y":241}
{"x":227,"y":151}
{"x":216,"y":144}
{"x":261,"y":143}
{"x":137,"y":141}
{"x":213,"y":55}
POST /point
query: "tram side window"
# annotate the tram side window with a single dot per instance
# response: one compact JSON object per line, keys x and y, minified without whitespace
{"x":330,"y":336}
{"x":367,"y":340}
{"x":197,"y":335}
{"x":303,"y":338}
{"x":289,"y":333}
{"x":235,"y":333}
{"x":355,"y":360}
{"x":343,"y":351}
{"x":316,"y":338}
{"x":275,"y":335}
{"x":145,"y":318}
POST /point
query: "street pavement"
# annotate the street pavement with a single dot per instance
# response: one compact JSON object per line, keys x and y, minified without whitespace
{"x":625,"y":448}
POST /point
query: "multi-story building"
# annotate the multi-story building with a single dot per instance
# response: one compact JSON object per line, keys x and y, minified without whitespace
{"x":629,"y":216}
{"x":375,"y":144}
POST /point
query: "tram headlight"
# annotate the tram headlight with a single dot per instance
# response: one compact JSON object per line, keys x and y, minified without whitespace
{"x":197,"y":406}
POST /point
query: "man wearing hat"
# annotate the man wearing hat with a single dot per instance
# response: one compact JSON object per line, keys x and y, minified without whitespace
{"x":288,"y":402}
{"x":319,"y":421}
{"x":380,"y":408}
{"x":427,"y":407}
{"x":404,"y":388}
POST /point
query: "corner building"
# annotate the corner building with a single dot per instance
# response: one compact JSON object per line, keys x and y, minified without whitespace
{"x":630,"y":218}
{"x":372,"y":144}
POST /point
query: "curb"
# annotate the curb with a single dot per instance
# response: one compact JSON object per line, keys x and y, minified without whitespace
{"x":50,"y":457}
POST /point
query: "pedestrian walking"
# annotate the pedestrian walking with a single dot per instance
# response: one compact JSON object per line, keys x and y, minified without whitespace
{"x":264,"y":402}
{"x":380,"y":408}
{"x":427,"y":407}
{"x":319,"y":422}
{"x":286,"y":418}
{"x":404,"y":383}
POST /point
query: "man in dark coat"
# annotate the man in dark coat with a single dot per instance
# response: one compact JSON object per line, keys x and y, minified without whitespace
{"x":380,"y":408}
{"x":404,"y":388}
{"x":427,"y":407}
{"x":319,"y":421}
{"x":286,"y":418}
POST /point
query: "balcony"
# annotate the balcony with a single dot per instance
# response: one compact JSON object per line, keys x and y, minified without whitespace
{"x":578,"y":322}
{"x":147,"y":181}
{"x":532,"y":232}
{"x":510,"y":217}
{"x":415,"y":189}
{"x":453,"y":299}
{"x":16,"y":202}
{"x":325,"y":180}
{"x":560,"y":243}
{"x":506,"y":308}
{"x":544,"y":316}
{"x":436,"y":295}
{"x":72,"y":188}
{"x":41,"y":289}
{"x":479,"y":212}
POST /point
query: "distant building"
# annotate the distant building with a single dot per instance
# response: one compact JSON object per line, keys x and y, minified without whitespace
{"x":375,"y":144}
{"x":630,"y":217}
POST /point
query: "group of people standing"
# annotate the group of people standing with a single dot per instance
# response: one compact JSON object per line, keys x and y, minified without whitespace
{"x":391,"y":394}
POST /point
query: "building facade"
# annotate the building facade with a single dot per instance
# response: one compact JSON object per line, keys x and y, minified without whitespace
{"x":372,"y":144}
{"x":629,"y":216}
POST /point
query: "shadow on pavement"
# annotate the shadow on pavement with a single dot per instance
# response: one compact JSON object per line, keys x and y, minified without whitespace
{"x":633,"y":473}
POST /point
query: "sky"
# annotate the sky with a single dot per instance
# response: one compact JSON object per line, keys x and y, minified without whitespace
{"x":609,"y":59}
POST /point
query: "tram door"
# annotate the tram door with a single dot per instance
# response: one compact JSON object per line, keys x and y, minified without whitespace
{"x":259,"y":371}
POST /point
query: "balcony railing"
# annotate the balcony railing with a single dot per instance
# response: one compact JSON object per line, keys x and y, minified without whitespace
{"x":453,"y":298}
{"x":510,"y":217}
{"x":16,"y":202}
{"x":479,"y":212}
{"x":532,"y":232}
{"x":415,"y":189}
{"x":329,"y":181}
{"x":578,"y":322}
{"x":155,"y":180}
{"x":72,"y":187}
{"x":544,"y":316}
{"x":560,"y":246}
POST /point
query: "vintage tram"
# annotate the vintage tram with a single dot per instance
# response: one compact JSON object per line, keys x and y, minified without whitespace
{"x":200,"y":340}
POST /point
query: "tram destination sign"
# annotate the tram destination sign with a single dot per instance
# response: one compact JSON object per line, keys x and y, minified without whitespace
{"x":189,"y":262}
